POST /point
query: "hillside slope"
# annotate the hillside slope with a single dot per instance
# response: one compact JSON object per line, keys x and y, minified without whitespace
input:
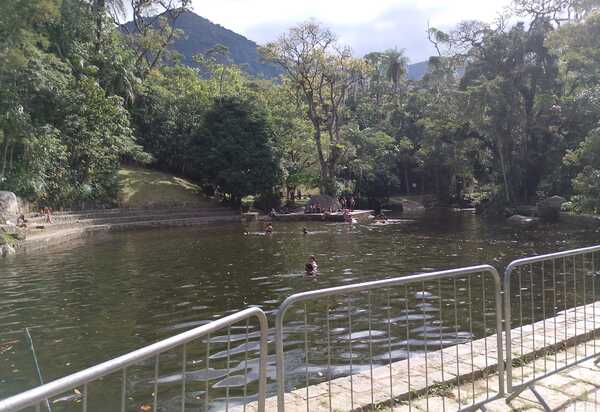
{"x":201,"y":34}
{"x":144,"y":187}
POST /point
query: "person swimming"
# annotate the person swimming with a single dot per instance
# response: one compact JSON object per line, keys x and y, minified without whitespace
{"x":269,"y":229}
{"x":311,"y":266}
{"x":304,"y":231}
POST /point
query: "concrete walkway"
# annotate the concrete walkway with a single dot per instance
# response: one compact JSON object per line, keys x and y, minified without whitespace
{"x":67,"y":226}
{"x":463,"y":375}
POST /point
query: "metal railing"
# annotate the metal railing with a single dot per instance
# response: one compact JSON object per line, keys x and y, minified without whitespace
{"x":150,"y":402}
{"x":546,"y":300}
{"x":400,"y":340}
{"x":403,"y":339}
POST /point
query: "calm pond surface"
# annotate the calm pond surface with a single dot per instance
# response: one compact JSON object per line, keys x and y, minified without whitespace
{"x":93,"y":299}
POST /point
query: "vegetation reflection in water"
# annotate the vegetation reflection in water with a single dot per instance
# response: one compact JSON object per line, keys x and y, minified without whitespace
{"x":92,"y":300}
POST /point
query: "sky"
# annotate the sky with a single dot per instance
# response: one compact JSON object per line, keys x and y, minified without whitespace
{"x":364,"y":25}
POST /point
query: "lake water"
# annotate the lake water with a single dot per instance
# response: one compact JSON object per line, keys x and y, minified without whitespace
{"x":93,"y":299}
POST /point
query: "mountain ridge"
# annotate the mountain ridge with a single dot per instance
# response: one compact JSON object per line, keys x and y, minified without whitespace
{"x":200,"y":35}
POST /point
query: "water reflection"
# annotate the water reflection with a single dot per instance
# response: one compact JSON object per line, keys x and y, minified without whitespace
{"x":97,"y":298}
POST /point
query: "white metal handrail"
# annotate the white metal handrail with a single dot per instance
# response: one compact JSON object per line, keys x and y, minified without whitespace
{"x":385,"y":284}
{"x":554,"y":283}
{"x":35,"y":396}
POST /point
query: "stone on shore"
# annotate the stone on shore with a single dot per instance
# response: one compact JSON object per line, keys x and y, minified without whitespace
{"x":325,"y":202}
{"x":9,"y":207}
{"x":7,"y":250}
{"x":549,"y":209}
{"x":523,"y":221}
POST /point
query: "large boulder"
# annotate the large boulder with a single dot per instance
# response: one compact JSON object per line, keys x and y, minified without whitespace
{"x":522,"y":221}
{"x":325,"y":202}
{"x":7,"y":250}
{"x":548,"y":209}
{"x":9,"y":207}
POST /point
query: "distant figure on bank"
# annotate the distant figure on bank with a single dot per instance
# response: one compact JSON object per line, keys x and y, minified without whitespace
{"x":311,"y":266}
{"x":21,"y":221}
{"x":269,"y":229}
{"x":304,"y":231}
{"x":48,"y":214}
{"x":381,"y":218}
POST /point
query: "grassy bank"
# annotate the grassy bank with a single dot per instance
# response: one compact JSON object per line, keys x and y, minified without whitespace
{"x":144,"y":187}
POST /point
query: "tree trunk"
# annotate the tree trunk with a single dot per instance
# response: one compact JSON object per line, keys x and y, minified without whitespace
{"x":5,"y":155}
{"x":504,"y":175}
{"x":100,"y":6}
{"x":406,"y":180}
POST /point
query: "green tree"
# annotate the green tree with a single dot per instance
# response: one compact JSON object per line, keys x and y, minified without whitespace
{"x":324,"y":72}
{"x":233,"y":150}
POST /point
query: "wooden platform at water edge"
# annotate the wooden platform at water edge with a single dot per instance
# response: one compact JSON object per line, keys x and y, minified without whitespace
{"x":321,"y":217}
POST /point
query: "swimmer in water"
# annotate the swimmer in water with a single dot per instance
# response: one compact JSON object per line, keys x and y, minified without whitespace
{"x":269,"y":229}
{"x":304,"y":231}
{"x":311,"y":266}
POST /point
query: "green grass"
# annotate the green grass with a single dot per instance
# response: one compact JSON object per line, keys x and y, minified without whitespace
{"x":143,"y":187}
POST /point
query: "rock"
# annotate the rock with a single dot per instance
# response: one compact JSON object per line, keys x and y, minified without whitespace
{"x":549,"y":209}
{"x":7,"y":250}
{"x":325,"y":202}
{"x":523,"y":221}
{"x":9,"y":207}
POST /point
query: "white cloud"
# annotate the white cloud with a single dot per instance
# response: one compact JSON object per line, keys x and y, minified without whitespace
{"x":366,"y":26}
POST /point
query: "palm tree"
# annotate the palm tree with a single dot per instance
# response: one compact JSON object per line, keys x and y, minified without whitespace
{"x":396,"y":67}
{"x":100,"y":8}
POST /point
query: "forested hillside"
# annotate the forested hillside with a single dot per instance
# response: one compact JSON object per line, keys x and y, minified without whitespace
{"x":199,"y":35}
{"x":79,"y":98}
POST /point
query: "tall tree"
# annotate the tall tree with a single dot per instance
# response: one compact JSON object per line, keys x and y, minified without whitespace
{"x":324,"y":72}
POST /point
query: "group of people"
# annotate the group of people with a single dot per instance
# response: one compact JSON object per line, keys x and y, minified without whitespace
{"x":46,"y":211}
{"x":347,"y":202}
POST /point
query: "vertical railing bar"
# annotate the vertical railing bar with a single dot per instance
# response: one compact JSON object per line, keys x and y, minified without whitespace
{"x":555,"y":309}
{"x":123,"y":389}
{"x":456,"y":335}
{"x":585,"y":333}
{"x":425,"y":340}
{"x":85,"y":397}
{"x":565,"y":304}
{"x":306,"y":355}
{"x":408,"y":349}
{"x":594,"y":298}
{"x":544,"y":313}
{"x":389,"y":336}
{"x":228,"y":366}
{"x":485,"y":335}
{"x":207,"y":389}
{"x":328,"y":356}
{"x":183,"y":376}
{"x":370,"y":347}
{"x":531,"y":293}
{"x":441,"y":341}
{"x":350,"y":343}
{"x":521,"y":319}
{"x":471,"y":332}
{"x":156,"y":369}
{"x":246,"y":364}
{"x":575,"y":302}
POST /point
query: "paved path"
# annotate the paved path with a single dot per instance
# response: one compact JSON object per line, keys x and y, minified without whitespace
{"x":463,"y":375}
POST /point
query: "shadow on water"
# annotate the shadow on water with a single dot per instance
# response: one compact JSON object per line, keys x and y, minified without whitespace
{"x":91,"y":300}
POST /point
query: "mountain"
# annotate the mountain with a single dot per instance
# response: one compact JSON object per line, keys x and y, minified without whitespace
{"x":200,"y":35}
{"x":416,"y":71}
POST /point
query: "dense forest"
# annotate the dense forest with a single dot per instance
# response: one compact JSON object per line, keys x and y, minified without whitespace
{"x":508,"y":111}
